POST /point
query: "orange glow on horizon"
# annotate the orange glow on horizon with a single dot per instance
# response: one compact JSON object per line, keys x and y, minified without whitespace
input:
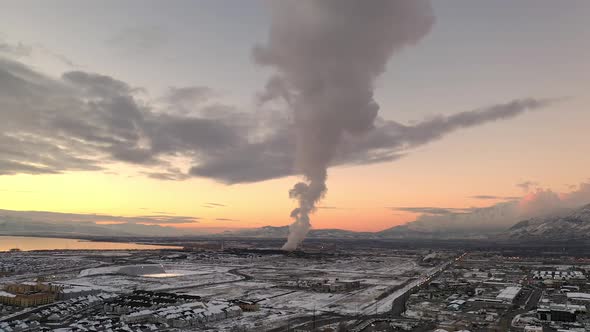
{"x":109,"y":222}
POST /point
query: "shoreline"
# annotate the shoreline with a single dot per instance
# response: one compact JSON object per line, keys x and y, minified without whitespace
{"x":81,"y":240}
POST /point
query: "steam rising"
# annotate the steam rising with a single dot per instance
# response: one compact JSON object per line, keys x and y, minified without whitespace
{"x":537,"y":203}
{"x":327,"y":55}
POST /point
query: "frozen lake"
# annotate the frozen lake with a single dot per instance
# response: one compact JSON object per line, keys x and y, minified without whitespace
{"x":43,"y":243}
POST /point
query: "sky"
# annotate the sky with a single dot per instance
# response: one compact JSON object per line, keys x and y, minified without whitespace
{"x":130,"y":108}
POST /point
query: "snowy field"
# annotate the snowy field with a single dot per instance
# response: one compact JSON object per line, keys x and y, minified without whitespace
{"x":175,"y":277}
{"x":271,"y":281}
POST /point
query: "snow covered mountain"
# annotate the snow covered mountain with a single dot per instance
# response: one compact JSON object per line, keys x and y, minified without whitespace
{"x":25,"y":227}
{"x":575,"y":225}
{"x":283,"y":231}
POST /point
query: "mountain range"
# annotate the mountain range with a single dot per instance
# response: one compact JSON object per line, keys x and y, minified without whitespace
{"x":568,"y":224}
{"x":575,"y":224}
{"x":21,"y":227}
{"x":397,"y":232}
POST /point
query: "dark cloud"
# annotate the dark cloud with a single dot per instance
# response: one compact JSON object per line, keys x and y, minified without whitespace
{"x":250,"y":162}
{"x":46,"y":216}
{"x":86,"y":121}
{"x":492,"y":197}
{"x":96,"y":85}
{"x":432,"y":210}
{"x":213,"y":205}
{"x":388,"y":141}
{"x":391,"y":139}
{"x":173,"y":174}
{"x":161,"y":219}
{"x":226,"y":219}
{"x":216,"y":204}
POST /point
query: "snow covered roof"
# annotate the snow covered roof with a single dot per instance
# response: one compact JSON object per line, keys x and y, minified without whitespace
{"x":509,"y":293}
{"x":6,"y":294}
{"x":578,"y":296}
{"x":141,"y":313}
{"x":76,"y":289}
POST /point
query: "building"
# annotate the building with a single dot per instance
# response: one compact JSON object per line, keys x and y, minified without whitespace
{"x":508,"y":294}
{"x":557,"y":314}
{"x":558,"y":275}
{"x":577,"y":297}
{"x":70,"y":292}
{"x":141,"y":299}
{"x":247,"y":305}
{"x":29,"y":294}
{"x":32,"y":287}
{"x":185,"y":315}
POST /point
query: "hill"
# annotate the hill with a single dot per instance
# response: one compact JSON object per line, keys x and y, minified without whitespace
{"x":575,"y":225}
{"x":283,"y":231}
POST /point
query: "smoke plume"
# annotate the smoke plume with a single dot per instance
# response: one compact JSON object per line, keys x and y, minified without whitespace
{"x":327,"y":55}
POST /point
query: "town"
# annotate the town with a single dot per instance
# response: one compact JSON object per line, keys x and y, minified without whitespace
{"x":238,"y":287}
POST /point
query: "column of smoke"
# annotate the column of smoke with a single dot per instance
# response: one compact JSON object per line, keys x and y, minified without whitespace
{"x":327,"y":55}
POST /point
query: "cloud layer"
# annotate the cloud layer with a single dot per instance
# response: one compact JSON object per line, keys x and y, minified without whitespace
{"x":538,"y":202}
{"x":429,"y":210}
{"x":88,"y":122}
{"x":45,"y":216}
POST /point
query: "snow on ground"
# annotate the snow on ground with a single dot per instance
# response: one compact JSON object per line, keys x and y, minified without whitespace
{"x":250,"y":290}
{"x":99,"y":271}
{"x":268,"y":279}
{"x":175,"y":276}
{"x":175,"y":273}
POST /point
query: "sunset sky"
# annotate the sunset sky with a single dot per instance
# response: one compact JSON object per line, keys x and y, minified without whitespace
{"x":177,"y":60}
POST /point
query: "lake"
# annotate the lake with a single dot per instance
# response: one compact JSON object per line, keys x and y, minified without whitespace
{"x":44,"y":243}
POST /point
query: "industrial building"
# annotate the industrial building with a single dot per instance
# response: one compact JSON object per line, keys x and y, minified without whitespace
{"x":508,"y":294}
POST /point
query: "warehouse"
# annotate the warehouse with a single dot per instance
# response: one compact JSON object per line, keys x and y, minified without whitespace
{"x":508,"y":294}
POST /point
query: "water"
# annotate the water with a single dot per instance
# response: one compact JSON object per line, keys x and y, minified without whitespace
{"x":44,"y":243}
